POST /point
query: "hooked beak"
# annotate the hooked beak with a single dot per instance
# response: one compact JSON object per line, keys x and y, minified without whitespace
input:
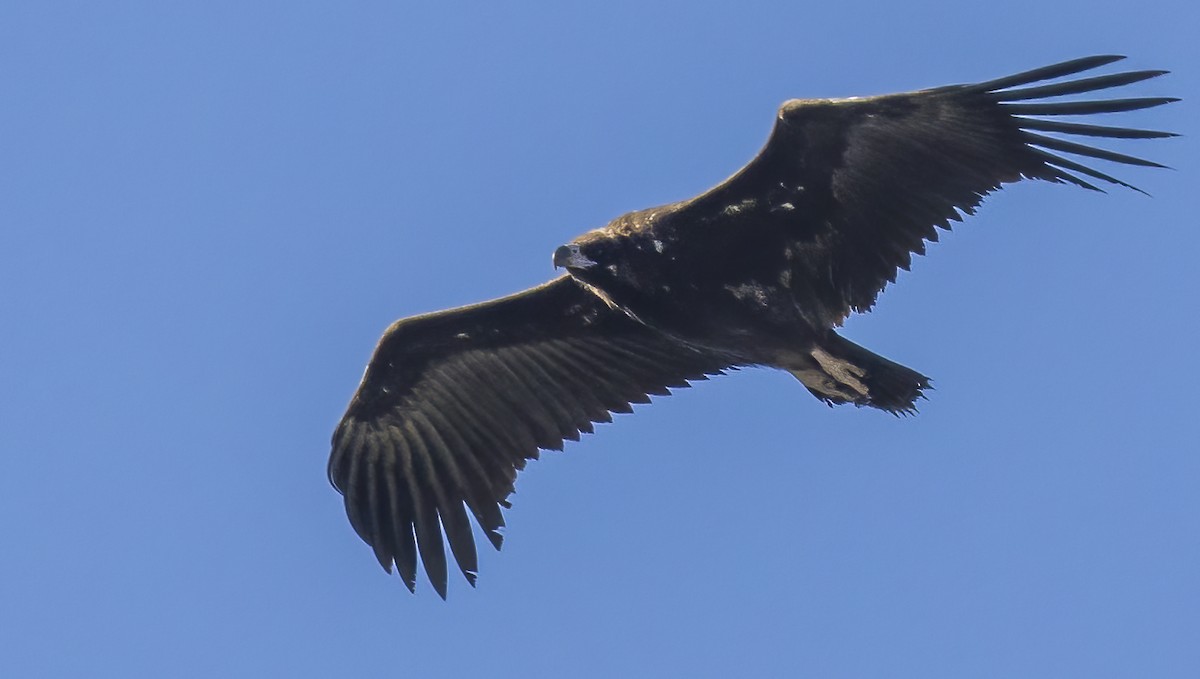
{"x":570,"y":257}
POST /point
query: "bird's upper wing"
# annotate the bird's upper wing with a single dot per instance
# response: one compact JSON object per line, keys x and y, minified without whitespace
{"x":453,"y":403}
{"x":858,"y":185}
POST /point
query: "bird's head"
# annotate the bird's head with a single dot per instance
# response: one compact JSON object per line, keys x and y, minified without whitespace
{"x":595,"y":257}
{"x":606,"y":260}
{"x":572,"y":257}
{"x":594,"y":260}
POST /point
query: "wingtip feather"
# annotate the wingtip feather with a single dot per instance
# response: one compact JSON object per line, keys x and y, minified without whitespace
{"x":1058,"y":70}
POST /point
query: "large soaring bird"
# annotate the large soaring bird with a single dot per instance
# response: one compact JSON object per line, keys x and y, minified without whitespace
{"x":756,"y":272}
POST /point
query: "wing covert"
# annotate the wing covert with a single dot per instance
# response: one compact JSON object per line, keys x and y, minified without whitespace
{"x":454,"y":403}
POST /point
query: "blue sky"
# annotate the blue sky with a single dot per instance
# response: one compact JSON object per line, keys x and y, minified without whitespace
{"x":211,"y":210}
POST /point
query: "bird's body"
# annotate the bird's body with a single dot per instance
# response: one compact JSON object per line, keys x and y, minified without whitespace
{"x":758,"y":271}
{"x":750,"y":305}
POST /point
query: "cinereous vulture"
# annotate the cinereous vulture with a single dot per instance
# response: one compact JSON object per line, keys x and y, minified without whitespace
{"x":757,"y":271}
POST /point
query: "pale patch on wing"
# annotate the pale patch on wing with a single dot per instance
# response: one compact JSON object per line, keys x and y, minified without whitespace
{"x":748,"y":291}
{"x":658,"y":246}
{"x":608,"y":300}
{"x":738,"y":207}
{"x":586,"y":315}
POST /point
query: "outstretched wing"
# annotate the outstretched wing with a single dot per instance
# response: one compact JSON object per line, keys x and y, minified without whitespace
{"x":453,"y":403}
{"x":854,"y":187}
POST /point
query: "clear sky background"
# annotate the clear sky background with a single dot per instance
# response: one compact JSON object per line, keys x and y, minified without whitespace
{"x":209,"y":211}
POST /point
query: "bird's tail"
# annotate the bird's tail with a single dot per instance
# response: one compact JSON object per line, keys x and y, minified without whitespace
{"x":843,"y":372}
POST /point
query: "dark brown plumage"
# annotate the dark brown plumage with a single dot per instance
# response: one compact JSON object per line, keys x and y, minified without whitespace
{"x":755,"y":272}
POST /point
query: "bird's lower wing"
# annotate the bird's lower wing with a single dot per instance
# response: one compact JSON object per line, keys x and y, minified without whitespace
{"x":453,"y":404}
